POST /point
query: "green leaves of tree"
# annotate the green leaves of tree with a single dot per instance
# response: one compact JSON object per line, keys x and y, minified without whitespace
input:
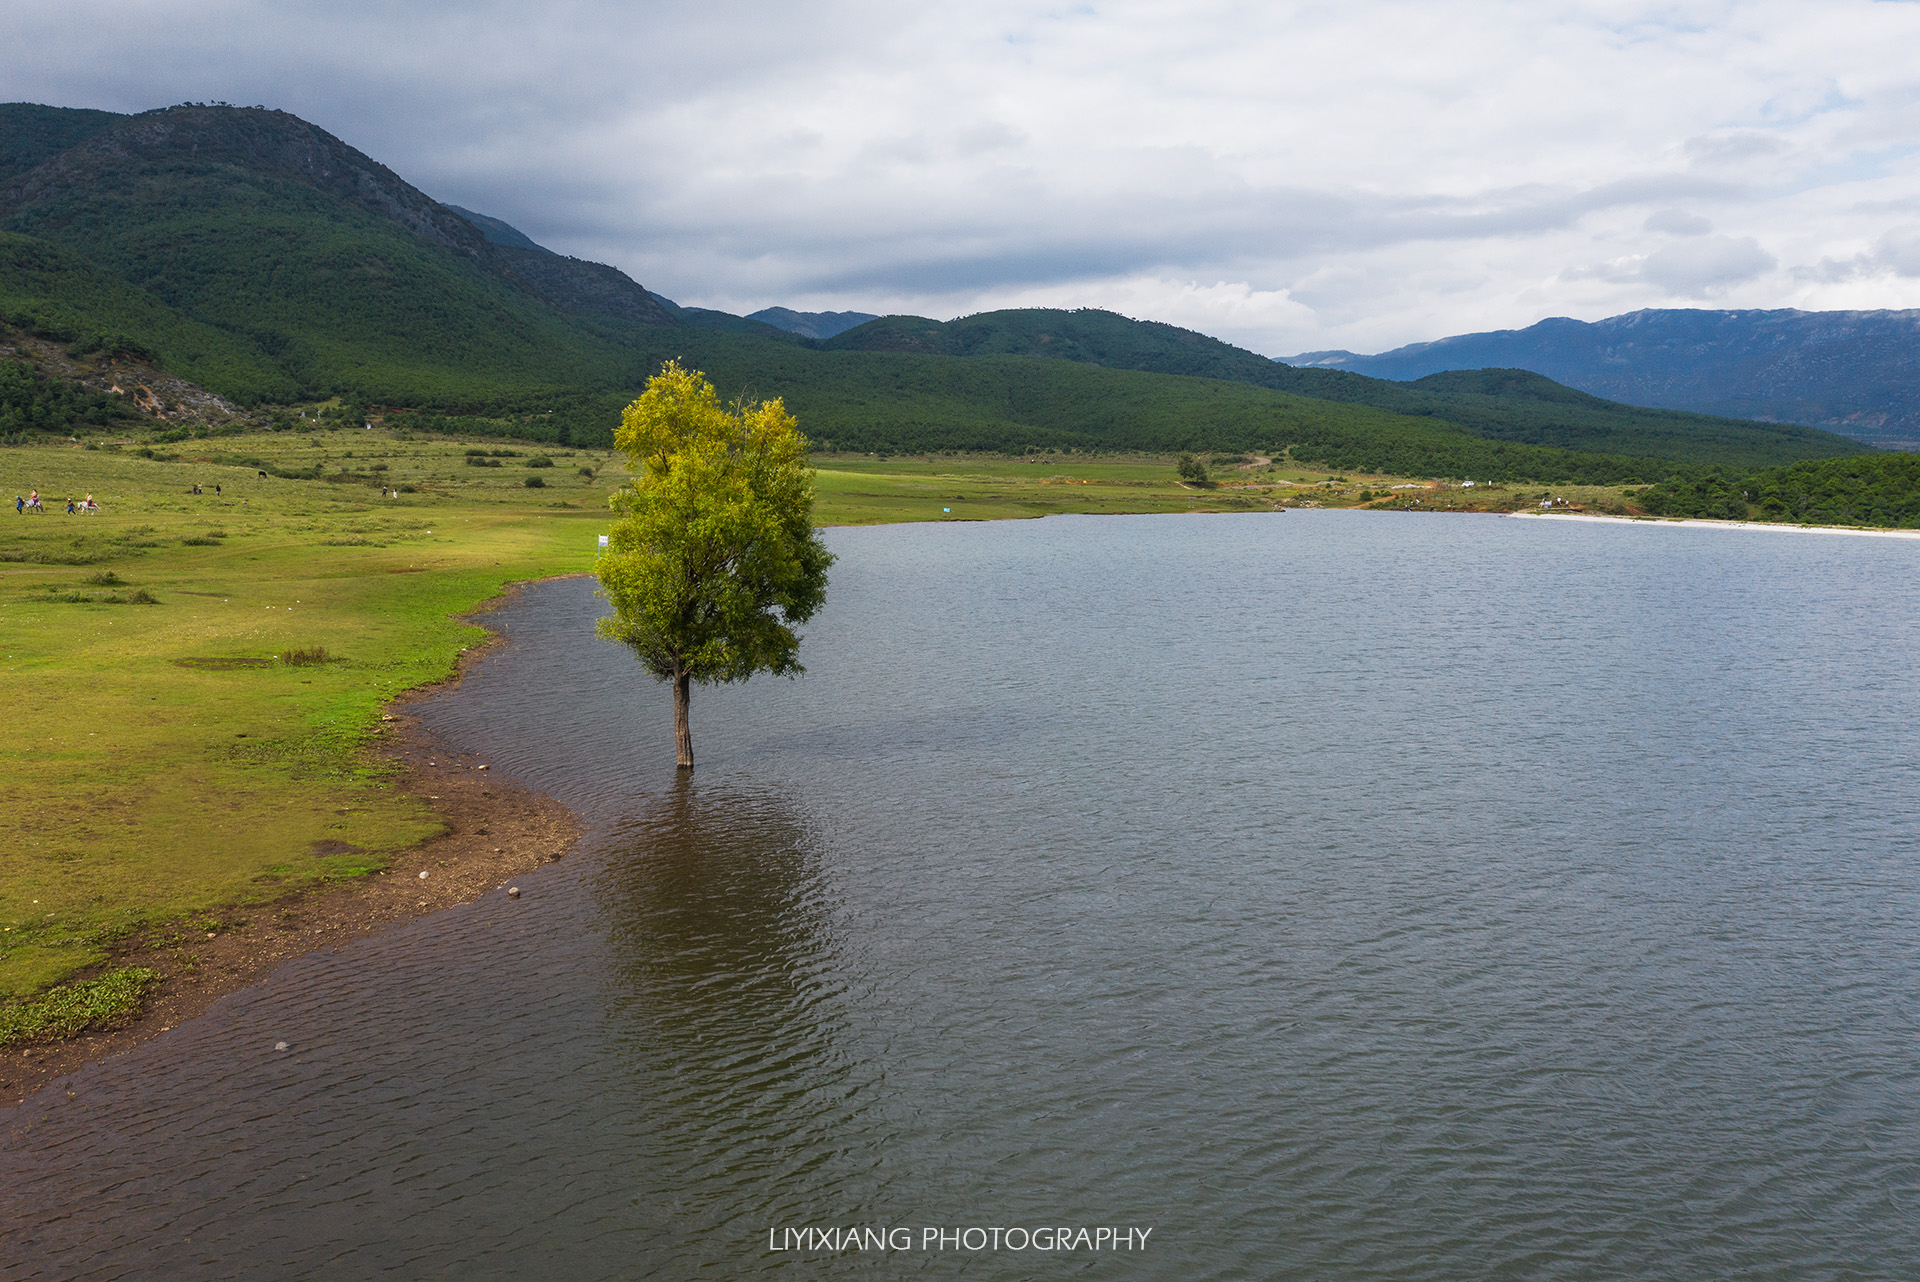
{"x":714,"y":558}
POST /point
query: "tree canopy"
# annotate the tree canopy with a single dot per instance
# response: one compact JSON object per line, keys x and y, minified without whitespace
{"x":714,"y":557}
{"x":1880,"y":489}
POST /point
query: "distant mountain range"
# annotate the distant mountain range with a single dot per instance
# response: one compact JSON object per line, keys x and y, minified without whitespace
{"x":1501,"y":404}
{"x":811,"y":324}
{"x":1856,"y":373}
{"x":258,"y":256}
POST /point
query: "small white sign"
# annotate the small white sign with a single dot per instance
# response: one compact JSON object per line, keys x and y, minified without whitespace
{"x":603,"y":540}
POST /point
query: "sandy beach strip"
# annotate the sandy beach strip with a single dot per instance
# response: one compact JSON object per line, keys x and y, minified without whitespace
{"x":1782,"y":527}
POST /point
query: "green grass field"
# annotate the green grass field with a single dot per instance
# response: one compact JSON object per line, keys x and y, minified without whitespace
{"x":865,"y":491}
{"x":161,"y":759}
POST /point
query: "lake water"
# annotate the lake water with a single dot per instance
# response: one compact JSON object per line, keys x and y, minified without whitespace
{"x":1338,"y":895}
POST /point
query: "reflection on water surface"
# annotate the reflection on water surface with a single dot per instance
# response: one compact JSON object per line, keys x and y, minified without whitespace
{"x":723,"y":999}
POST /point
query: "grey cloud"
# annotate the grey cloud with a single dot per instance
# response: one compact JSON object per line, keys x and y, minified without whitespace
{"x":1733,"y":148}
{"x":1708,"y":266}
{"x":1698,"y":267}
{"x":1003,"y":232}
{"x":1895,"y":253}
{"x":1833,"y":271}
{"x":988,"y":136}
{"x":1677,"y":222}
{"x":1898,"y":251}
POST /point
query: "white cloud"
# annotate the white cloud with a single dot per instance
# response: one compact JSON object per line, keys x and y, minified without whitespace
{"x":1289,"y":175}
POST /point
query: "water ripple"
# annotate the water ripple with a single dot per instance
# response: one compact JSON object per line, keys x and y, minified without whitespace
{"x":1347,"y":896}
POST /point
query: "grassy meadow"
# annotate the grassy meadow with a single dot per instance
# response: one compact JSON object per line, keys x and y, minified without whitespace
{"x":163,"y":759}
{"x":864,"y":489}
{"x":190,"y":679}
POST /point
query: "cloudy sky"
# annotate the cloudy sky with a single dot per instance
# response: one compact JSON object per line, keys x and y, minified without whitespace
{"x":1286,"y":176}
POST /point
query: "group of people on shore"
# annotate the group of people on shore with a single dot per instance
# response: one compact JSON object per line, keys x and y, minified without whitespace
{"x":32,"y":503}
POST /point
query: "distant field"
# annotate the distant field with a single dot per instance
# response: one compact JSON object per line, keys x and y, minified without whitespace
{"x":861,"y":490}
{"x":858,"y":491}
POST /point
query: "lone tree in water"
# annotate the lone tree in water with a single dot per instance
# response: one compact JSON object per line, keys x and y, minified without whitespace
{"x":714,"y":558}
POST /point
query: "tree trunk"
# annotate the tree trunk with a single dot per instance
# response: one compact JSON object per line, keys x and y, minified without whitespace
{"x":682,"y":729}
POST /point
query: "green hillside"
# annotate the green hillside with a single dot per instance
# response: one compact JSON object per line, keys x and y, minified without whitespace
{"x":254,"y":254}
{"x":1505,"y":405}
{"x":900,"y":402}
{"x":31,"y":402}
{"x":59,"y":294}
{"x":326,"y":295}
{"x":31,"y":134}
{"x":707,"y":318}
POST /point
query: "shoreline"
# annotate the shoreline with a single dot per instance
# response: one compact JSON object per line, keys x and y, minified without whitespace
{"x":1784,"y":527}
{"x":495,"y":830}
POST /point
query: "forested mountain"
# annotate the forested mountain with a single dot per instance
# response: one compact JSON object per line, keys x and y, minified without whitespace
{"x":1505,"y":405}
{"x":708,"y":318}
{"x":811,"y":324}
{"x":258,"y":256}
{"x":318,"y":266}
{"x":1855,"y":373}
{"x":145,"y":193}
{"x":31,"y":134}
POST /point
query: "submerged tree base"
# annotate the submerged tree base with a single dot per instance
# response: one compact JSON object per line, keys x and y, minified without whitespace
{"x":682,"y":722}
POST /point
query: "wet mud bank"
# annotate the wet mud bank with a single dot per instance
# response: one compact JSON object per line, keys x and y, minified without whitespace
{"x":495,"y":830}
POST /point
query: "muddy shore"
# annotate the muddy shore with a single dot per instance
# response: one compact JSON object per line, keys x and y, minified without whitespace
{"x":495,"y":831}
